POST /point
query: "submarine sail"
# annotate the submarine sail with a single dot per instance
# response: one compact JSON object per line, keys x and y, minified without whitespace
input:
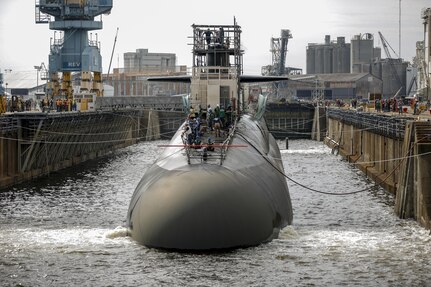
{"x":219,"y":183}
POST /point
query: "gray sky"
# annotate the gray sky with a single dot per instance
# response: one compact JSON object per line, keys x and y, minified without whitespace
{"x":165,"y":25}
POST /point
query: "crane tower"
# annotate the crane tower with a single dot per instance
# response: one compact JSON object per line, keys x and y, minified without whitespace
{"x":426,"y":63}
{"x":73,"y":50}
{"x":279,"y":52}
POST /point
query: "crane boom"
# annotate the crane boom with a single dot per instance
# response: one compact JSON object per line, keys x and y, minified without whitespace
{"x":390,"y":59}
{"x":112,"y":53}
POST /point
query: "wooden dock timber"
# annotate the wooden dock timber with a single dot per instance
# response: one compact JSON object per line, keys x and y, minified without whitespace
{"x":393,"y":150}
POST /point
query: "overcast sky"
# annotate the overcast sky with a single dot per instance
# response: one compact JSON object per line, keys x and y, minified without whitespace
{"x":165,"y":25}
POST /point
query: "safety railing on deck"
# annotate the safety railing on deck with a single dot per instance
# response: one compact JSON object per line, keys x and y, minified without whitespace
{"x":215,"y":72}
{"x":201,"y":153}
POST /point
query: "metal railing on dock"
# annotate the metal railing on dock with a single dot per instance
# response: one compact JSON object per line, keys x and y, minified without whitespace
{"x":391,"y":126}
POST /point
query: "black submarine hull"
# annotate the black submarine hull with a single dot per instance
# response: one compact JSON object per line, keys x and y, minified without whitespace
{"x":242,"y":202}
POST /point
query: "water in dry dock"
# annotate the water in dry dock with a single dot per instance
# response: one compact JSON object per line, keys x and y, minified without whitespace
{"x":61,"y":231}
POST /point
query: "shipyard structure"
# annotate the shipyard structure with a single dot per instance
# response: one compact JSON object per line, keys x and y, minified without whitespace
{"x":132,"y":80}
{"x":393,"y":149}
{"x":359,"y":58}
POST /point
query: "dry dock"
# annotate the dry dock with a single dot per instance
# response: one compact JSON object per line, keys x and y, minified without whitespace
{"x":33,"y":144}
{"x":393,"y":150}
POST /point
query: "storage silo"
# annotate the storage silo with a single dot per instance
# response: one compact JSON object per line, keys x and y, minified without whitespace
{"x":319,"y":59}
{"x":311,"y":59}
{"x":362,"y":51}
{"x":341,"y":56}
{"x":327,"y":59}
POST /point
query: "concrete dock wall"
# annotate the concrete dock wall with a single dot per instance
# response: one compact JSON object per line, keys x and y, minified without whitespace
{"x":372,"y":153}
{"x":33,"y":144}
{"x":414,"y":192}
{"x":36,"y":144}
{"x":393,"y":151}
{"x":290,"y":120}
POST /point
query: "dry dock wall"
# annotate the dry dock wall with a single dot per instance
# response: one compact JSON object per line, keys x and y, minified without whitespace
{"x":36,"y":144}
{"x":394,"y":151}
{"x":290,"y":120}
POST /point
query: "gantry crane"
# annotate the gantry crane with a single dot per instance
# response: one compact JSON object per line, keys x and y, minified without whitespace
{"x":73,"y":51}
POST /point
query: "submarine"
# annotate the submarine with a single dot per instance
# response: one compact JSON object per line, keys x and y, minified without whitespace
{"x":219,"y":184}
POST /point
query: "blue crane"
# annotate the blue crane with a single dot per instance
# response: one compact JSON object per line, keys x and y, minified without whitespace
{"x":73,"y":51}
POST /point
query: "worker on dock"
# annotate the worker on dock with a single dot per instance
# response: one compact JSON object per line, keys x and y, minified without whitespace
{"x":416,"y":111}
{"x":208,"y":35}
{"x":221,"y":36}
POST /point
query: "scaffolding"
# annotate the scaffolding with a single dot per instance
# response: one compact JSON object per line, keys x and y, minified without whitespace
{"x":217,"y":65}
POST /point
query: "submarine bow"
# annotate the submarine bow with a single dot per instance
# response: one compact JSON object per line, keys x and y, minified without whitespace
{"x":220,"y":182}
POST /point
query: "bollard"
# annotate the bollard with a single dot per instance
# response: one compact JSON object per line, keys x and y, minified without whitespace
{"x":287,"y":143}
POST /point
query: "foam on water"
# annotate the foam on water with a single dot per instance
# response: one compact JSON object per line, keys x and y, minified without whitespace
{"x":39,"y":237}
{"x":68,"y":232}
{"x":288,"y":232}
{"x":118,"y":232}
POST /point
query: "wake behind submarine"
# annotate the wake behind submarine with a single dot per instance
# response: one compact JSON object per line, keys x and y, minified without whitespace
{"x":219,"y":183}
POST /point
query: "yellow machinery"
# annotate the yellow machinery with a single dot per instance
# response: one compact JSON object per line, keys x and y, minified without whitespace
{"x":2,"y":104}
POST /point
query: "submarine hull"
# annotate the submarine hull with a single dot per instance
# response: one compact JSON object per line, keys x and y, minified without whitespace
{"x":242,"y":202}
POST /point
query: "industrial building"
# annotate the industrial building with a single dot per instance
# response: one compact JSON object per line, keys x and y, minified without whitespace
{"x":138,"y":66}
{"x":341,"y":57}
{"x":358,"y":57}
{"x":393,"y":73}
{"x":363,"y":52}
{"x":330,"y":57}
{"x":341,"y":86}
{"x":25,"y":84}
{"x":142,"y":60}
